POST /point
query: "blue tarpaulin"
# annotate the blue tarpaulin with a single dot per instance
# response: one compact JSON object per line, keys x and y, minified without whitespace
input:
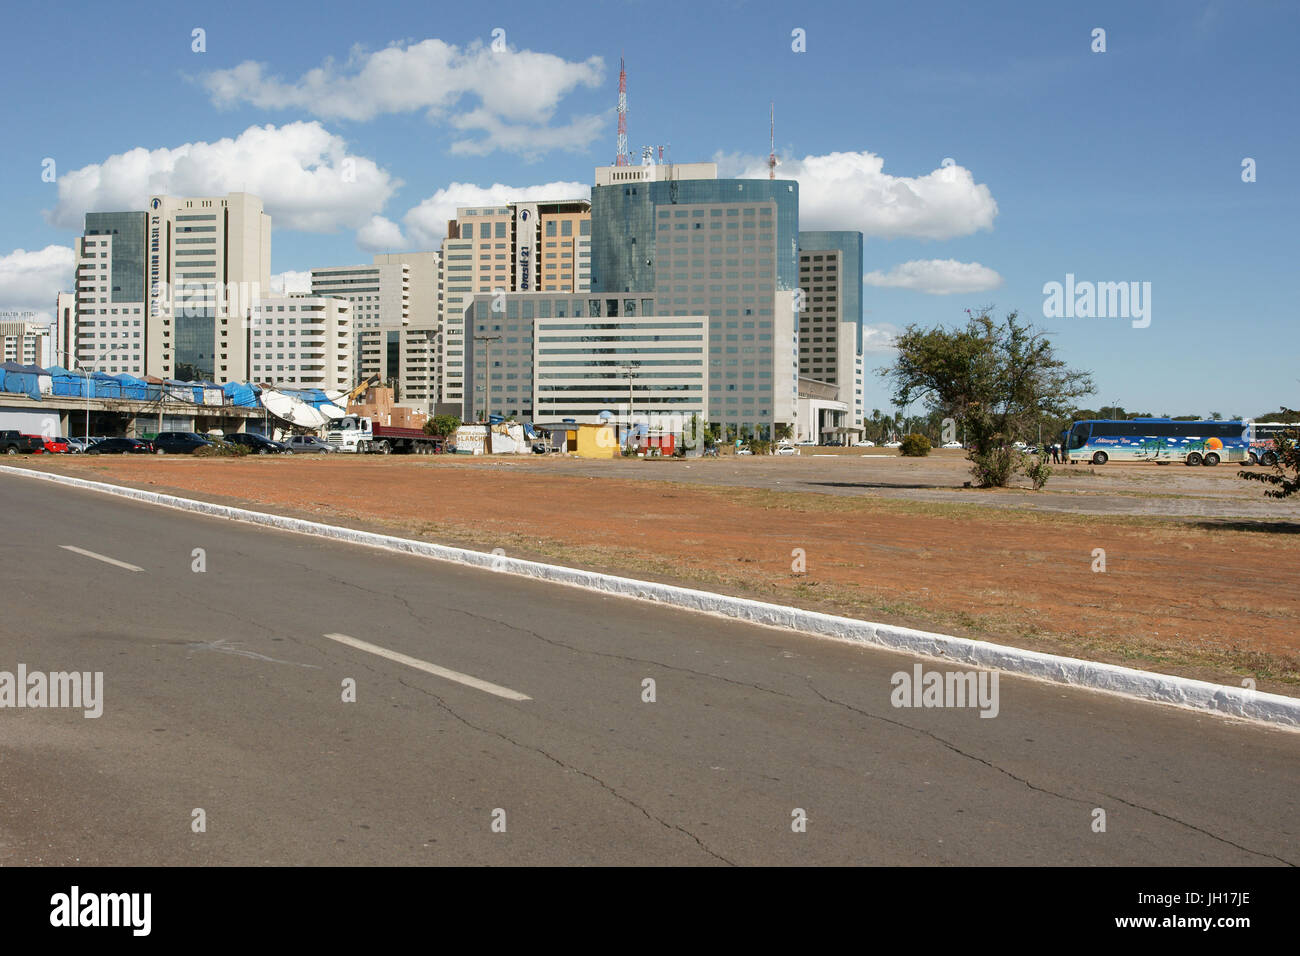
{"x":314,"y":397}
{"x":241,"y":394}
{"x":24,"y":379}
{"x":34,"y":381}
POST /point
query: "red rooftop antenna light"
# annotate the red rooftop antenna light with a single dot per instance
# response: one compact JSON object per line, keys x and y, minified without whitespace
{"x":621,"y":158}
{"x":771,"y":157}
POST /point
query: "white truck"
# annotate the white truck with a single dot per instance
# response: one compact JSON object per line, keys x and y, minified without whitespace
{"x":359,"y":435}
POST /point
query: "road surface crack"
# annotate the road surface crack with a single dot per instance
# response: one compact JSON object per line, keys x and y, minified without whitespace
{"x":1079,"y":800}
{"x":571,"y":768}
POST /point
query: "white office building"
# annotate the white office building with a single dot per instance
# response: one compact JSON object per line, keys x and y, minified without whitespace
{"x":301,"y":341}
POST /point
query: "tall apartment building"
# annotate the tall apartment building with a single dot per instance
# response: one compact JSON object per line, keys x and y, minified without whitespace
{"x":301,"y":341}
{"x":109,"y":316}
{"x":418,"y":368}
{"x":518,"y":247}
{"x":830,"y":321}
{"x":395,"y":303}
{"x":554,"y":356}
{"x":380,"y":296}
{"x":63,"y":351}
{"x":722,"y":247}
{"x":27,"y":343}
{"x":214,"y":257}
{"x":168,"y":291}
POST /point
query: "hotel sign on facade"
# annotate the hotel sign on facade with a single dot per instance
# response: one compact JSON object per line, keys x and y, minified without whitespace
{"x":525,"y":246}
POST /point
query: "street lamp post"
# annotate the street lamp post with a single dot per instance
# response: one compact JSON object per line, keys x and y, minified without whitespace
{"x":631,"y":368}
{"x":487,"y":375}
{"x":79,"y":367}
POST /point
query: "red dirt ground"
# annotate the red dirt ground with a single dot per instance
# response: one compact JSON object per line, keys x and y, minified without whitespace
{"x":1213,"y":602}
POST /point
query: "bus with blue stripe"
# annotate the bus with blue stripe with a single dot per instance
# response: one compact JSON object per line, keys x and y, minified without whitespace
{"x":1159,"y":440}
{"x":1263,"y":444}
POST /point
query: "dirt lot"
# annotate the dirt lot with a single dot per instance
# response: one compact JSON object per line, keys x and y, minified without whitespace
{"x":1200,"y":569}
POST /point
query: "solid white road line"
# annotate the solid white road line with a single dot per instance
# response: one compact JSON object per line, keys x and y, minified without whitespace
{"x":428,"y":668}
{"x":100,"y":557}
{"x":1223,"y":699}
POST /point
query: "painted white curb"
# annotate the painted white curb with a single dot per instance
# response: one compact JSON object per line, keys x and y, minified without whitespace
{"x":1180,"y":691}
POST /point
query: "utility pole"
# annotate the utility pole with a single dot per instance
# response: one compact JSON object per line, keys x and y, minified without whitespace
{"x":630,"y":368}
{"x":487,"y":376}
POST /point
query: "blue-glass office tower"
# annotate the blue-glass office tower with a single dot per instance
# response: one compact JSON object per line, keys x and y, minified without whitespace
{"x":727,"y":248}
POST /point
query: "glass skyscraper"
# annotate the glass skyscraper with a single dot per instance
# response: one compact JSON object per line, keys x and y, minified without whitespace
{"x":726,"y":248}
{"x":623,"y":236}
{"x":127,"y":262}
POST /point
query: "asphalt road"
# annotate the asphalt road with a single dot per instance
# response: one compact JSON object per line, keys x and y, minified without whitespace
{"x":222,"y":693}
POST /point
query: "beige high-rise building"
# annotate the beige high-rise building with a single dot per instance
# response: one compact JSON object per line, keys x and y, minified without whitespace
{"x":830,"y":324}
{"x":207,"y":262}
{"x":542,"y":246}
{"x":168,"y":291}
{"x":27,"y":343}
{"x":395,"y":301}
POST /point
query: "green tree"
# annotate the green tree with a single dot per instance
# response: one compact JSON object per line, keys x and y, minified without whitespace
{"x":440,"y":426}
{"x":995,"y":379}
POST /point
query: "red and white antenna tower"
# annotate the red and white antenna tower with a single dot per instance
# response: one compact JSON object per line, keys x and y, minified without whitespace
{"x":771,"y":157}
{"x":621,"y":158}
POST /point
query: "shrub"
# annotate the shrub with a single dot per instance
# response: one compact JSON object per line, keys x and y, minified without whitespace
{"x":995,"y":467}
{"x":915,"y":446}
{"x":760,"y":447}
{"x":1038,"y":471}
{"x":222,"y":451}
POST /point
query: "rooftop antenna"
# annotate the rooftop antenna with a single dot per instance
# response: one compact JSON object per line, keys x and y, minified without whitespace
{"x":621,"y":158}
{"x":771,"y":157}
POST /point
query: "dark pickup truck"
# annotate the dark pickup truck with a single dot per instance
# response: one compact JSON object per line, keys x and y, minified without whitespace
{"x":16,"y":443}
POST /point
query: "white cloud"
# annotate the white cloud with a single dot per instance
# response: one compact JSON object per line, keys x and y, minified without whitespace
{"x":303,"y":173}
{"x":936,"y":277}
{"x":512,"y":94}
{"x":852,"y":191}
{"x":291,"y":283}
{"x":380,"y":235}
{"x":426,"y":224}
{"x":529,"y":140}
{"x":29,"y":281}
{"x":879,"y":338}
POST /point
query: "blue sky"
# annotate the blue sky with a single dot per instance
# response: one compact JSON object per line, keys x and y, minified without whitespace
{"x":1117,"y":166}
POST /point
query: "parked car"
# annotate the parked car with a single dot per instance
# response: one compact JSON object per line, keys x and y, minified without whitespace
{"x":16,"y":443}
{"x":258,"y":444}
{"x":892,"y":444}
{"x":743,"y":451}
{"x":75,"y":445}
{"x":864,"y":444}
{"x":308,"y":445}
{"x":787,"y":450}
{"x":55,"y":446}
{"x":952,"y":444}
{"x":120,"y":446}
{"x":180,"y":443}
